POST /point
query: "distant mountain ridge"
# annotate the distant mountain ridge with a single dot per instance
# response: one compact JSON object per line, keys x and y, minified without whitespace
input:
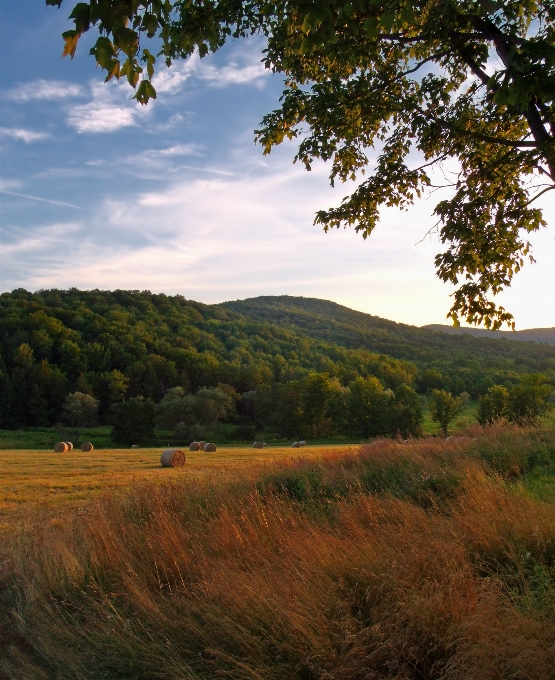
{"x":546,"y":335}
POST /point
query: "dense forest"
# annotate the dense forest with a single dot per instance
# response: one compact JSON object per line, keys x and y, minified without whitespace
{"x":297,"y":365}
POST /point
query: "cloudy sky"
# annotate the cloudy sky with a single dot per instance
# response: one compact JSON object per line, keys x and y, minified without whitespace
{"x":99,"y":192}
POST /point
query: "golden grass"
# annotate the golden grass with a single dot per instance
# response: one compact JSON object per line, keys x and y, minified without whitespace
{"x":297,"y":572}
{"x":47,"y":481}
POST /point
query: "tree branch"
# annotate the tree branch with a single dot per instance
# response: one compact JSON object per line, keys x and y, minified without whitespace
{"x":478,"y":135}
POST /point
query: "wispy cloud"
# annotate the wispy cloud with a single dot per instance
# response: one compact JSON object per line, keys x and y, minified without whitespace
{"x":44,"y":89}
{"x":192,"y":149}
{"x":244,"y":69}
{"x":26,"y":136}
{"x":38,"y":198}
{"x":232,"y":74}
{"x":9,"y":184}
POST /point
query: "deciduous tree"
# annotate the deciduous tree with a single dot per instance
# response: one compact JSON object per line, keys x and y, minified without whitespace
{"x":443,"y":408}
{"x":493,"y":405}
{"x":80,"y":410}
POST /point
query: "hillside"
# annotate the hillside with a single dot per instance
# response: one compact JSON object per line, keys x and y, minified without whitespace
{"x":121,"y":344}
{"x":114,"y":345}
{"x":546,"y":335}
{"x":335,"y":323}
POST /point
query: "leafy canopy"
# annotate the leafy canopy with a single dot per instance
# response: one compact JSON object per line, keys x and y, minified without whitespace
{"x":422,"y":82}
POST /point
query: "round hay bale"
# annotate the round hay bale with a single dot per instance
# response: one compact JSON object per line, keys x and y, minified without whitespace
{"x":202,"y":444}
{"x":69,"y":446}
{"x":172,"y":458}
{"x":302,"y":443}
{"x":209,"y":447}
{"x":60,"y":447}
{"x":134,"y":446}
{"x":194,"y":446}
{"x":296,"y":445}
{"x":258,"y":445}
{"x":86,"y":447}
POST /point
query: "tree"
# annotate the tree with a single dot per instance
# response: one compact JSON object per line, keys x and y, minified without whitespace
{"x":368,"y":407}
{"x":80,"y":410}
{"x":133,"y":420}
{"x":322,"y":401}
{"x":443,"y":408}
{"x":279,"y":405}
{"x":528,"y":399}
{"x":407,"y":415}
{"x":200,"y":412}
{"x":469,"y":80}
{"x":493,"y":405}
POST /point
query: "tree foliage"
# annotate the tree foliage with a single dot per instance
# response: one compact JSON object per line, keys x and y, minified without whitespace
{"x":184,"y":413}
{"x":80,"y":410}
{"x":444,"y":407}
{"x":521,"y":403}
{"x":421,"y":83}
{"x":133,"y":421}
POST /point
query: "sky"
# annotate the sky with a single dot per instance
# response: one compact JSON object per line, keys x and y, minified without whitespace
{"x":97,"y":191}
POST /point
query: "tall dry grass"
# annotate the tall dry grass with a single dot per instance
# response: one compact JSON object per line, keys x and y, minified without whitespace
{"x":401,"y":561}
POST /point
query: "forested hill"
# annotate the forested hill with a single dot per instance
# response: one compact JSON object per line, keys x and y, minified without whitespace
{"x":535,"y":334}
{"x":335,"y":323}
{"x":121,"y":344}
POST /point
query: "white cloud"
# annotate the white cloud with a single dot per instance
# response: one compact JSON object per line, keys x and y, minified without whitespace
{"x":112,"y":108}
{"x":44,"y":89}
{"x":96,"y":117}
{"x":9,"y":184}
{"x":171,"y":80}
{"x":26,"y":136}
{"x":43,"y":244}
{"x":179,"y":150}
{"x":232,"y":74}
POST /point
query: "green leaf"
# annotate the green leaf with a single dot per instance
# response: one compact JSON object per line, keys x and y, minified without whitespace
{"x":145,"y":92}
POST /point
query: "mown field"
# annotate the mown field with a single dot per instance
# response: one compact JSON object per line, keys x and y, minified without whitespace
{"x":432,"y":560}
{"x":46,"y":482}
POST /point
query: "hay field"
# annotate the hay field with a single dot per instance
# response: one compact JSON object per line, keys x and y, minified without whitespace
{"x":46,"y":482}
{"x":432,"y":560}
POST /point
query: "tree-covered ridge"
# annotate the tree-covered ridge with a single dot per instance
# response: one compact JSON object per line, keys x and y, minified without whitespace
{"x":457,"y":362}
{"x":546,"y":335}
{"x":125,"y":344}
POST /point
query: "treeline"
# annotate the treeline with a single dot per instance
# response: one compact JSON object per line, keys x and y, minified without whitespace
{"x":316,"y":406}
{"x":129,"y":346}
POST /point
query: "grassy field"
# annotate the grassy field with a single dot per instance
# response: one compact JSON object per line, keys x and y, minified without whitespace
{"x":47,"y":481}
{"x":432,"y":560}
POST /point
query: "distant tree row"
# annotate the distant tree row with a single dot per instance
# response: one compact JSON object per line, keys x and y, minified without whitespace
{"x":315,"y":407}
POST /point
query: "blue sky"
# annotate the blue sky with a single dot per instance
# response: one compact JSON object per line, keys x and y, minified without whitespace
{"x":99,"y":192}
